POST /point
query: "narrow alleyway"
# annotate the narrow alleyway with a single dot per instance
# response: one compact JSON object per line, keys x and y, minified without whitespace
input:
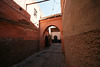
{"x":49,"y":57}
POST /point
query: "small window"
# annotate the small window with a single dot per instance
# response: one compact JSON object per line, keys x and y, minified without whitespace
{"x":35,"y":12}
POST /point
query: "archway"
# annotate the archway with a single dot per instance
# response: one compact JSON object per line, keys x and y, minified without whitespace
{"x":47,"y":22}
{"x":51,"y":35}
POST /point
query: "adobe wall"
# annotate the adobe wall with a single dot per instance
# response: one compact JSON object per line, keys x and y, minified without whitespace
{"x":19,"y":38}
{"x":81,"y":31}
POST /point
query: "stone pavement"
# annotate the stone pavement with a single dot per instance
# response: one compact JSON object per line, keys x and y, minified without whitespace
{"x":49,"y":57}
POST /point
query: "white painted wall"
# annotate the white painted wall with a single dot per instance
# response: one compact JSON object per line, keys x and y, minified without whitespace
{"x":21,"y":3}
{"x":30,"y":10}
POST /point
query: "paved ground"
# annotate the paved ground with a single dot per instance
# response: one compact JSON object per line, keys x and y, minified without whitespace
{"x":49,"y":57}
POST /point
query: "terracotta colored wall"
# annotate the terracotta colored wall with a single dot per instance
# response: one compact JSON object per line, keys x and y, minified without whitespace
{"x":19,"y":38}
{"x":81,"y":28}
{"x":46,"y":33}
{"x":44,"y":24}
{"x":10,"y":10}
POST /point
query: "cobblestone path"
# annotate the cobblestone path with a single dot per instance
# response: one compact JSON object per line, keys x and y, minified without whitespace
{"x":49,"y":57}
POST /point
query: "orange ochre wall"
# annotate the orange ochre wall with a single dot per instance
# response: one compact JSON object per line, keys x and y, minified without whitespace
{"x":81,"y":32}
{"x":19,"y":38}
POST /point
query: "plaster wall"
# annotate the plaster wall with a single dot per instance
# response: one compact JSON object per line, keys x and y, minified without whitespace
{"x":30,"y":9}
{"x":16,"y":43}
{"x":19,"y":38}
{"x":81,"y":28}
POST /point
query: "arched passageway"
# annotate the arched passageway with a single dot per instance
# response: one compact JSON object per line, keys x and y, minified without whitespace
{"x":51,"y":35}
{"x":55,"y":20}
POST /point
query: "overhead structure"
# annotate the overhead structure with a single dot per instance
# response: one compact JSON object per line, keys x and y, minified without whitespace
{"x":37,"y":2}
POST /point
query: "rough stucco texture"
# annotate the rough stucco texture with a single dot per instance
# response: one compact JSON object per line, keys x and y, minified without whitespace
{"x":83,"y":50}
{"x":81,"y":31}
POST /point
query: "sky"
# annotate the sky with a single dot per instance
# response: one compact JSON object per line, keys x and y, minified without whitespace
{"x":50,"y":7}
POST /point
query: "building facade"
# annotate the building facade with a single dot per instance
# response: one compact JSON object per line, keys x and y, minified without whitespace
{"x":33,"y":9}
{"x":55,"y":32}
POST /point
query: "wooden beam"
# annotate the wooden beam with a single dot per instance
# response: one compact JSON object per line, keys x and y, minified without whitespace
{"x":37,"y":2}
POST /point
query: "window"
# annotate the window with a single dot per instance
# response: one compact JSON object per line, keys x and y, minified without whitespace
{"x":35,"y":12}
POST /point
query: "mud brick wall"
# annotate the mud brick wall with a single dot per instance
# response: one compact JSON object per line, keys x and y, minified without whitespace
{"x":19,"y":38}
{"x":81,"y":30}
